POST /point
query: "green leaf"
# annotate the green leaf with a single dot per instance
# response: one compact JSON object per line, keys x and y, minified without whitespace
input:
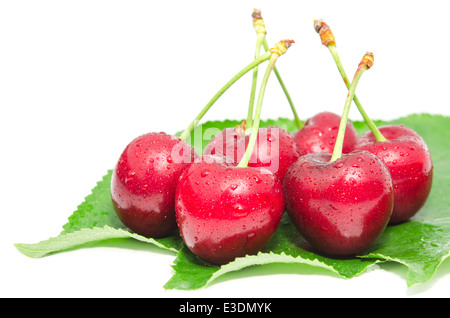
{"x":94,"y":220}
{"x":286,"y":246}
{"x":421,"y":244}
{"x":66,"y":241}
{"x":96,"y":210}
{"x":424,"y":242}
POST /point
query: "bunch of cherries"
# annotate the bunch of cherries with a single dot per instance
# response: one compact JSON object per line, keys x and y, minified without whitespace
{"x":340,"y":190}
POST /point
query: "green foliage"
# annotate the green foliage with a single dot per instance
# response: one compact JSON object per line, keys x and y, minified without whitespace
{"x":420,"y":244}
{"x":94,"y":220}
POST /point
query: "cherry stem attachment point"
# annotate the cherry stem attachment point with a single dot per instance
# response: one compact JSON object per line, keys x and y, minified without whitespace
{"x":329,"y":41}
{"x":187,"y":132}
{"x":365,"y":64}
{"x":279,"y":49}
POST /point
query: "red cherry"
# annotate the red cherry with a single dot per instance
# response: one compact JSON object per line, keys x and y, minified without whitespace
{"x":340,"y":203}
{"x":275,"y":148}
{"x":319,"y":134}
{"x":408,"y":159}
{"x":340,"y":207}
{"x":144,"y":181}
{"x":224,"y":211}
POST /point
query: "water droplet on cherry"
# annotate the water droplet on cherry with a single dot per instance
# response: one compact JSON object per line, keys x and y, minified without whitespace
{"x":205,"y":173}
{"x":257,"y":179}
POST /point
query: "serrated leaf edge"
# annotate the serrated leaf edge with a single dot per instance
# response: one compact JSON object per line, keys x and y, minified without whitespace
{"x":69,"y":240}
{"x":92,"y":192}
{"x":268,"y":258}
{"x":412,"y":275}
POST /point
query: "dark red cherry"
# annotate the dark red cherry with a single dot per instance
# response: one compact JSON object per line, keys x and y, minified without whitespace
{"x":408,"y":159}
{"x":224,"y":211}
{"x":275,"y":148}
{"x":319,"y":134}
{"x":340,"y":207}
{"x":144,"y":181}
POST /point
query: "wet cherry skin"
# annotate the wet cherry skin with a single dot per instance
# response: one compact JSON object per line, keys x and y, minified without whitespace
{"x":339,"y":207}
{"x":319,"y":134}
{"x":408,"y":159}
{"x":144,"y":182}
{"x":275,"y":148}
{"x":224,"y":211}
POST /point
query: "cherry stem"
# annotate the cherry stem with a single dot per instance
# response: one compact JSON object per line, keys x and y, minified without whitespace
{"x":365,"y":64}
{"x":187,"y":132}
{"x":276,"y":52}
{"x":329,"y":41}
{"x":298,"y":122}
{"x":260,"y":28}
{"x":259,"y":41}
{"x":378,"y":135}
{"x":255,"y":127}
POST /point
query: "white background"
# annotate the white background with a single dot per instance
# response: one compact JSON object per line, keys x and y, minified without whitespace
{"x":81,"y":79}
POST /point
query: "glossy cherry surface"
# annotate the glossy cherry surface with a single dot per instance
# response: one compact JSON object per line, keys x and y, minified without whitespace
{"x":224,"y":211}
{"x":144,"y":181}
{"x":319,"y":134}
{"x":275,"y":148}
{"x":339,"y":207}
{"x":408,"y":159}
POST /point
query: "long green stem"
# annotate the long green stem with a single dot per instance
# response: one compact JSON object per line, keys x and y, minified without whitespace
{"x":259,"y":41}
{"x":186,"y":133}
{"x":298,"y":122}
{"x":337,"y":152}
{"x":254,"y":130}
{"x":369,"y":122}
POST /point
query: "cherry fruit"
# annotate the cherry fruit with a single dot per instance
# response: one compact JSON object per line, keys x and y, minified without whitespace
{"x":144,"y":181}
{"x":319,"y":134}
{"x":224,"y":211}
{"x":340,"y":203}
{"x":275,"y":148}
{"x":402,"y":149}
{"x":407,"y":156}
{"x":340,"y":207}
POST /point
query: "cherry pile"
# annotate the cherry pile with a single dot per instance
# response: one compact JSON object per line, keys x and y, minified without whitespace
{"x":340,"y":190}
